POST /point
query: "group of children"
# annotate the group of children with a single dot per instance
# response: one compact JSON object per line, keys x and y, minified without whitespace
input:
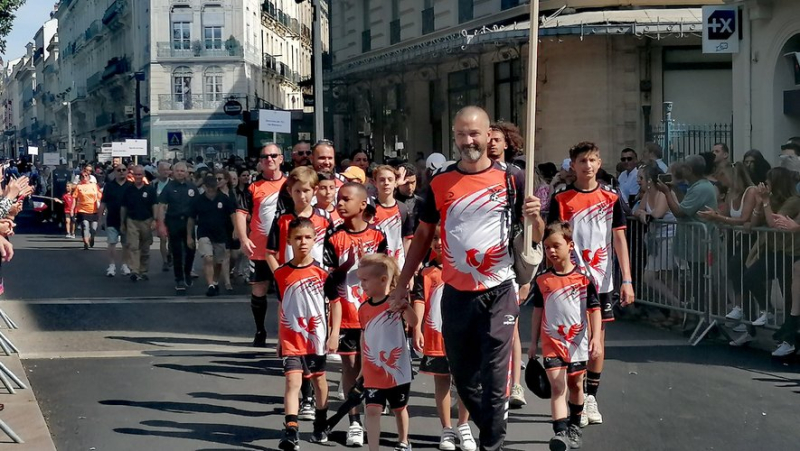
{"x":334,"y":268}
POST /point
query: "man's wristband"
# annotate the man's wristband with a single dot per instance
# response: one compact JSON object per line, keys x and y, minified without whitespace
{"x":627,"y":282}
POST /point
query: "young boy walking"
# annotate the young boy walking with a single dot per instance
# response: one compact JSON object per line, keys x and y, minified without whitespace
{"x":594,"y":211}
{"x":302,"y":331}
{"x":392,"y":216}
{"x":565,"y":308}
{"x":348,"y":244}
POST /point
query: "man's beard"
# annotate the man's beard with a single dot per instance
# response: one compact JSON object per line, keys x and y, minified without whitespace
{"x":470,"y":153}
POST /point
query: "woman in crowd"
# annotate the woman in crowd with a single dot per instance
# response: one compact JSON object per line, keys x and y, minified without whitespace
{"x":757,"y":166}
{"x":660,"y":262}
{"x":225,"y":186}
{"x":771,"y":257}
{"x":241,"y":265}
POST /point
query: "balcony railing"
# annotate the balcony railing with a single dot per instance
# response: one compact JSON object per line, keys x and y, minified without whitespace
{"x":95,"y":81}
{"x":192,"y":102}
{"x":167,"y":50}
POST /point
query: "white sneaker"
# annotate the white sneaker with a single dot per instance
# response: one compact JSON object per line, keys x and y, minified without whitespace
{"x":584,"y":418}
{"x":68,"y":236}
{"x":447,"y":441}
{"x":592,"y":412}
{"x":340,"y":392}
{"x":517,"y":398}
{"x":334,"y":358}
{"x":111,"y":271}
{"x":762,"y":320}
{"x":465,"y":438}
{"x":784,"y":350}
{"x":742,"y":340}
{"x":735,"y":314}
{"x":740,"y":328}
{"x":125,"y":270}
{"x":355,"y":435}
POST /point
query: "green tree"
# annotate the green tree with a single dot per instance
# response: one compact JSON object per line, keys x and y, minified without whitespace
{"x":7,"y":8}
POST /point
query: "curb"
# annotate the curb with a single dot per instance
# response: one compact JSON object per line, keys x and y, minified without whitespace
{"x":22,"y":413}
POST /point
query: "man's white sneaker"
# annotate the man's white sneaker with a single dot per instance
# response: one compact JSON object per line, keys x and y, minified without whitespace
{"x":584,"y":418}
{"x":447,"y":441}
{"x":784,"y":350}
{"x":741,"y":340}
{"x":592,"y":412}
{"x":762,"y":319}
{"x":740,"y":328}
{"x":355,"y":435}
{"x":111,"y":271}
{"x":517,"y":398}
{"x":735,"y":314}
{"x":125,"y":270}
{"x":465,"y":438}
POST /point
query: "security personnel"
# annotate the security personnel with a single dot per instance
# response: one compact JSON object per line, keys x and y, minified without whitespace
{"x":174,"y":208}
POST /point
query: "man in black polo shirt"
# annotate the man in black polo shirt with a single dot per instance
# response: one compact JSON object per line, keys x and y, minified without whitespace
{"x":214,"y":213}
{"x":111,"y":204}
{"x":175,"y":204}
{"x":139,"y":207}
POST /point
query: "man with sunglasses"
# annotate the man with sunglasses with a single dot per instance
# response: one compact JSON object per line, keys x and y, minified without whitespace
{"x":111,"y":205}
{"x":262,"y":201}
{"x":301,"y":154}
{"x":628,"y":183}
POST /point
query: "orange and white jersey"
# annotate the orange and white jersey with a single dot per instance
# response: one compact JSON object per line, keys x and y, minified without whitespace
{"x":385,"y":357}
{"x":278,"y":243}
{"x":428,"y":288}
{"x":335,"y":218}
{"x":303,"y":323}
{"x":593,"y":216}
{"x":397,"y":224}
{"x":342,"y":256}
{"x":262,"y":202}
{"x":565,"y":300}
{"x":474,"y":218}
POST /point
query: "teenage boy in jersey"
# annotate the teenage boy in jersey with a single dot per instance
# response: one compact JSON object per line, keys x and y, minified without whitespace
{"x":351,"y":241}
{"x":392,"y":216}
{"x":326,"y":196}
{"x":595,"y":212}
{"x":302,"y":331}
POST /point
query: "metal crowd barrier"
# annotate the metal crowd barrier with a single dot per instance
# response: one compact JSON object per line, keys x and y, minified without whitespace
{"x":702,"y":270}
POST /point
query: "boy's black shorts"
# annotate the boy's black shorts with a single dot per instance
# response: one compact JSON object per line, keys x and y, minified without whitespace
{"x":397,"y":397}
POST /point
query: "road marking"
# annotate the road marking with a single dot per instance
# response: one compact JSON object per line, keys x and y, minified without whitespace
{"x":132,"y":300}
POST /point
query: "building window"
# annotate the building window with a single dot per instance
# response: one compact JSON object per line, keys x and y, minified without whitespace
{"x":213,"y":86}
{"x":466,"y":10}
{"x":507,"y":4}
{"x":507,"y":89}
{"x":463,"y":89}
{"x":213,"y":37}
{"x":182,"y":85}
{"x":428,"y":20}
{"x":181,"y":35}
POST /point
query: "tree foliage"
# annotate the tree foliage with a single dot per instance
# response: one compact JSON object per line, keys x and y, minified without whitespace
{"x":7,"y":9}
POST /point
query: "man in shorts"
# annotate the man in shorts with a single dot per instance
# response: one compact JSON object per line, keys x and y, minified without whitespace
{"x":113,"y":196}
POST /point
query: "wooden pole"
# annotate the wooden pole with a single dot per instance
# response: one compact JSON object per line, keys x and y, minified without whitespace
{"x":530,"y":130}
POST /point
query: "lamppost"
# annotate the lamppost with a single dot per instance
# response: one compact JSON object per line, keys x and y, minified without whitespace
{"x":69,"y":128}
{"x":316,"y":37}
{"x":139,"y":76}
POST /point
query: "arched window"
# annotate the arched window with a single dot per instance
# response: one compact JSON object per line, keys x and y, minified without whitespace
{"x":213,"y":83}
{"x":182,"y":84}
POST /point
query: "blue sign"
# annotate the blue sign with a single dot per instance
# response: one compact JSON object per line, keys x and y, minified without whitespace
{"x":721,"y":24}
{"x":175,"y":138}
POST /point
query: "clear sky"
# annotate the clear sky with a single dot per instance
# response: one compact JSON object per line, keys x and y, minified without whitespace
{"x":30,"y":17}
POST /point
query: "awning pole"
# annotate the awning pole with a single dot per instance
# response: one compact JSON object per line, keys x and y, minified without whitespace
{"x":530,"y":130}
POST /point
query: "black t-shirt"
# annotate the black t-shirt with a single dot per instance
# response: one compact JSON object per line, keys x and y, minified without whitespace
{"x":178,"y":197}
{"x":60,"y":179}
{"x":139,"y":202}
{"x":113,"y":193}
{"x":213,"y":217}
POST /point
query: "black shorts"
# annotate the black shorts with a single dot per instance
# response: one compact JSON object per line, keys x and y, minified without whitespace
{"x":310,"y":365}
{"x":90,"y":217}
{"x":606,"y":306}
{"x":557,"y":363}
{"x":349,"y":342}
{"x":260,"y":272}
{"x":436,"y":366}
{"x":397,"y":397}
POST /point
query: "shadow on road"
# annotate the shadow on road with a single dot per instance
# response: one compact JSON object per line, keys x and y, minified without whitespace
{"x":167,"y":341}
{"x":184,"y":407}
{"x":226,"y":434}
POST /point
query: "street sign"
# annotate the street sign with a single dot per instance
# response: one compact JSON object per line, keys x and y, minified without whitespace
{"x":33,"y":150}
{"x":720,"y":29}
{"x":120,"y":149}
{"x":137,"y":146}
{"x":175,"y":138}
{"x":50,"y":158}
{"x":274,"y":121}
{"x":232,"y":108}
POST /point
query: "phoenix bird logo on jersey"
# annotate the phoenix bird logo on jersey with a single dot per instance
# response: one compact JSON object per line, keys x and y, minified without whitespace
{"x":569,"y":334}
{"x":383,"y":346}
{"x":302,"y":312}
{"x":560,"y":324}
{"x":434,"y":318}
{"x":484,"y":265}
{"x":596,"y":261}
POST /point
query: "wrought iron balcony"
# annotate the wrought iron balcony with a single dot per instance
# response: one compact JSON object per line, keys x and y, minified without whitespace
{"x":193,"y":102}
{"x":198,"y":50}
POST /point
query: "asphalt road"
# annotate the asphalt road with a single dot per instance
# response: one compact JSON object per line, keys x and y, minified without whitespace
{"x":121,"y":366}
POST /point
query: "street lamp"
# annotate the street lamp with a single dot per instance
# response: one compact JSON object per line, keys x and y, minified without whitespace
{"x":69,"y":127}
{"x":316,"y":36}
{"x":139,"y":76}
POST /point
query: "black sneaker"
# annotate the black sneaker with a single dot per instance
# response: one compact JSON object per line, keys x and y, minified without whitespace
{"x":91,"y":241}
{"x":85,"y":247}
{"x":165,"y":267}
{"x":574,"y":436}
{"x":135,"y":278}
{"x":260,"y":340}
{"x":290,"y":441}
{"x":320,"y":434}
{"x":144,"y":277}
{"x":559,"y":442}
{"x":180,"y":287}
{"x":212,"y":291}
{"x":189,"y":282}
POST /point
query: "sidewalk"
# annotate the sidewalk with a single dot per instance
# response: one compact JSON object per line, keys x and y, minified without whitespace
{"x":22,"y":413}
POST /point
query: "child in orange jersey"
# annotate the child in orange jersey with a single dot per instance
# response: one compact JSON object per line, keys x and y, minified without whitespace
{"x":427,"y":297}
{"x":302,"y":331}
{"x":385,"y":357}
{"x":392,"y":216}
{"x":566,"y":306}
{"x":326,"y":196}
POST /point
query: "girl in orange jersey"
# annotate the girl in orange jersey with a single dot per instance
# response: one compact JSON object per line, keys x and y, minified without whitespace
{"x":385,"y":357}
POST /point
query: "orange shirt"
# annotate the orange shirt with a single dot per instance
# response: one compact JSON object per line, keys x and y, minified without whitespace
{"x":87,"y":196}
{"x":385,"y":358}
{"x":428,"y":290}
{"x":261,"y":202}
{"x":341,"y":253}
{"x":303,"y":325}
{"x":278,"y":243}
{"x":565,"y":300}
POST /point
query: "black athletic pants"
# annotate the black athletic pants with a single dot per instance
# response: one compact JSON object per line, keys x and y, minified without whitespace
{"x":478,"y":329}
{"x":182,"y":256}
